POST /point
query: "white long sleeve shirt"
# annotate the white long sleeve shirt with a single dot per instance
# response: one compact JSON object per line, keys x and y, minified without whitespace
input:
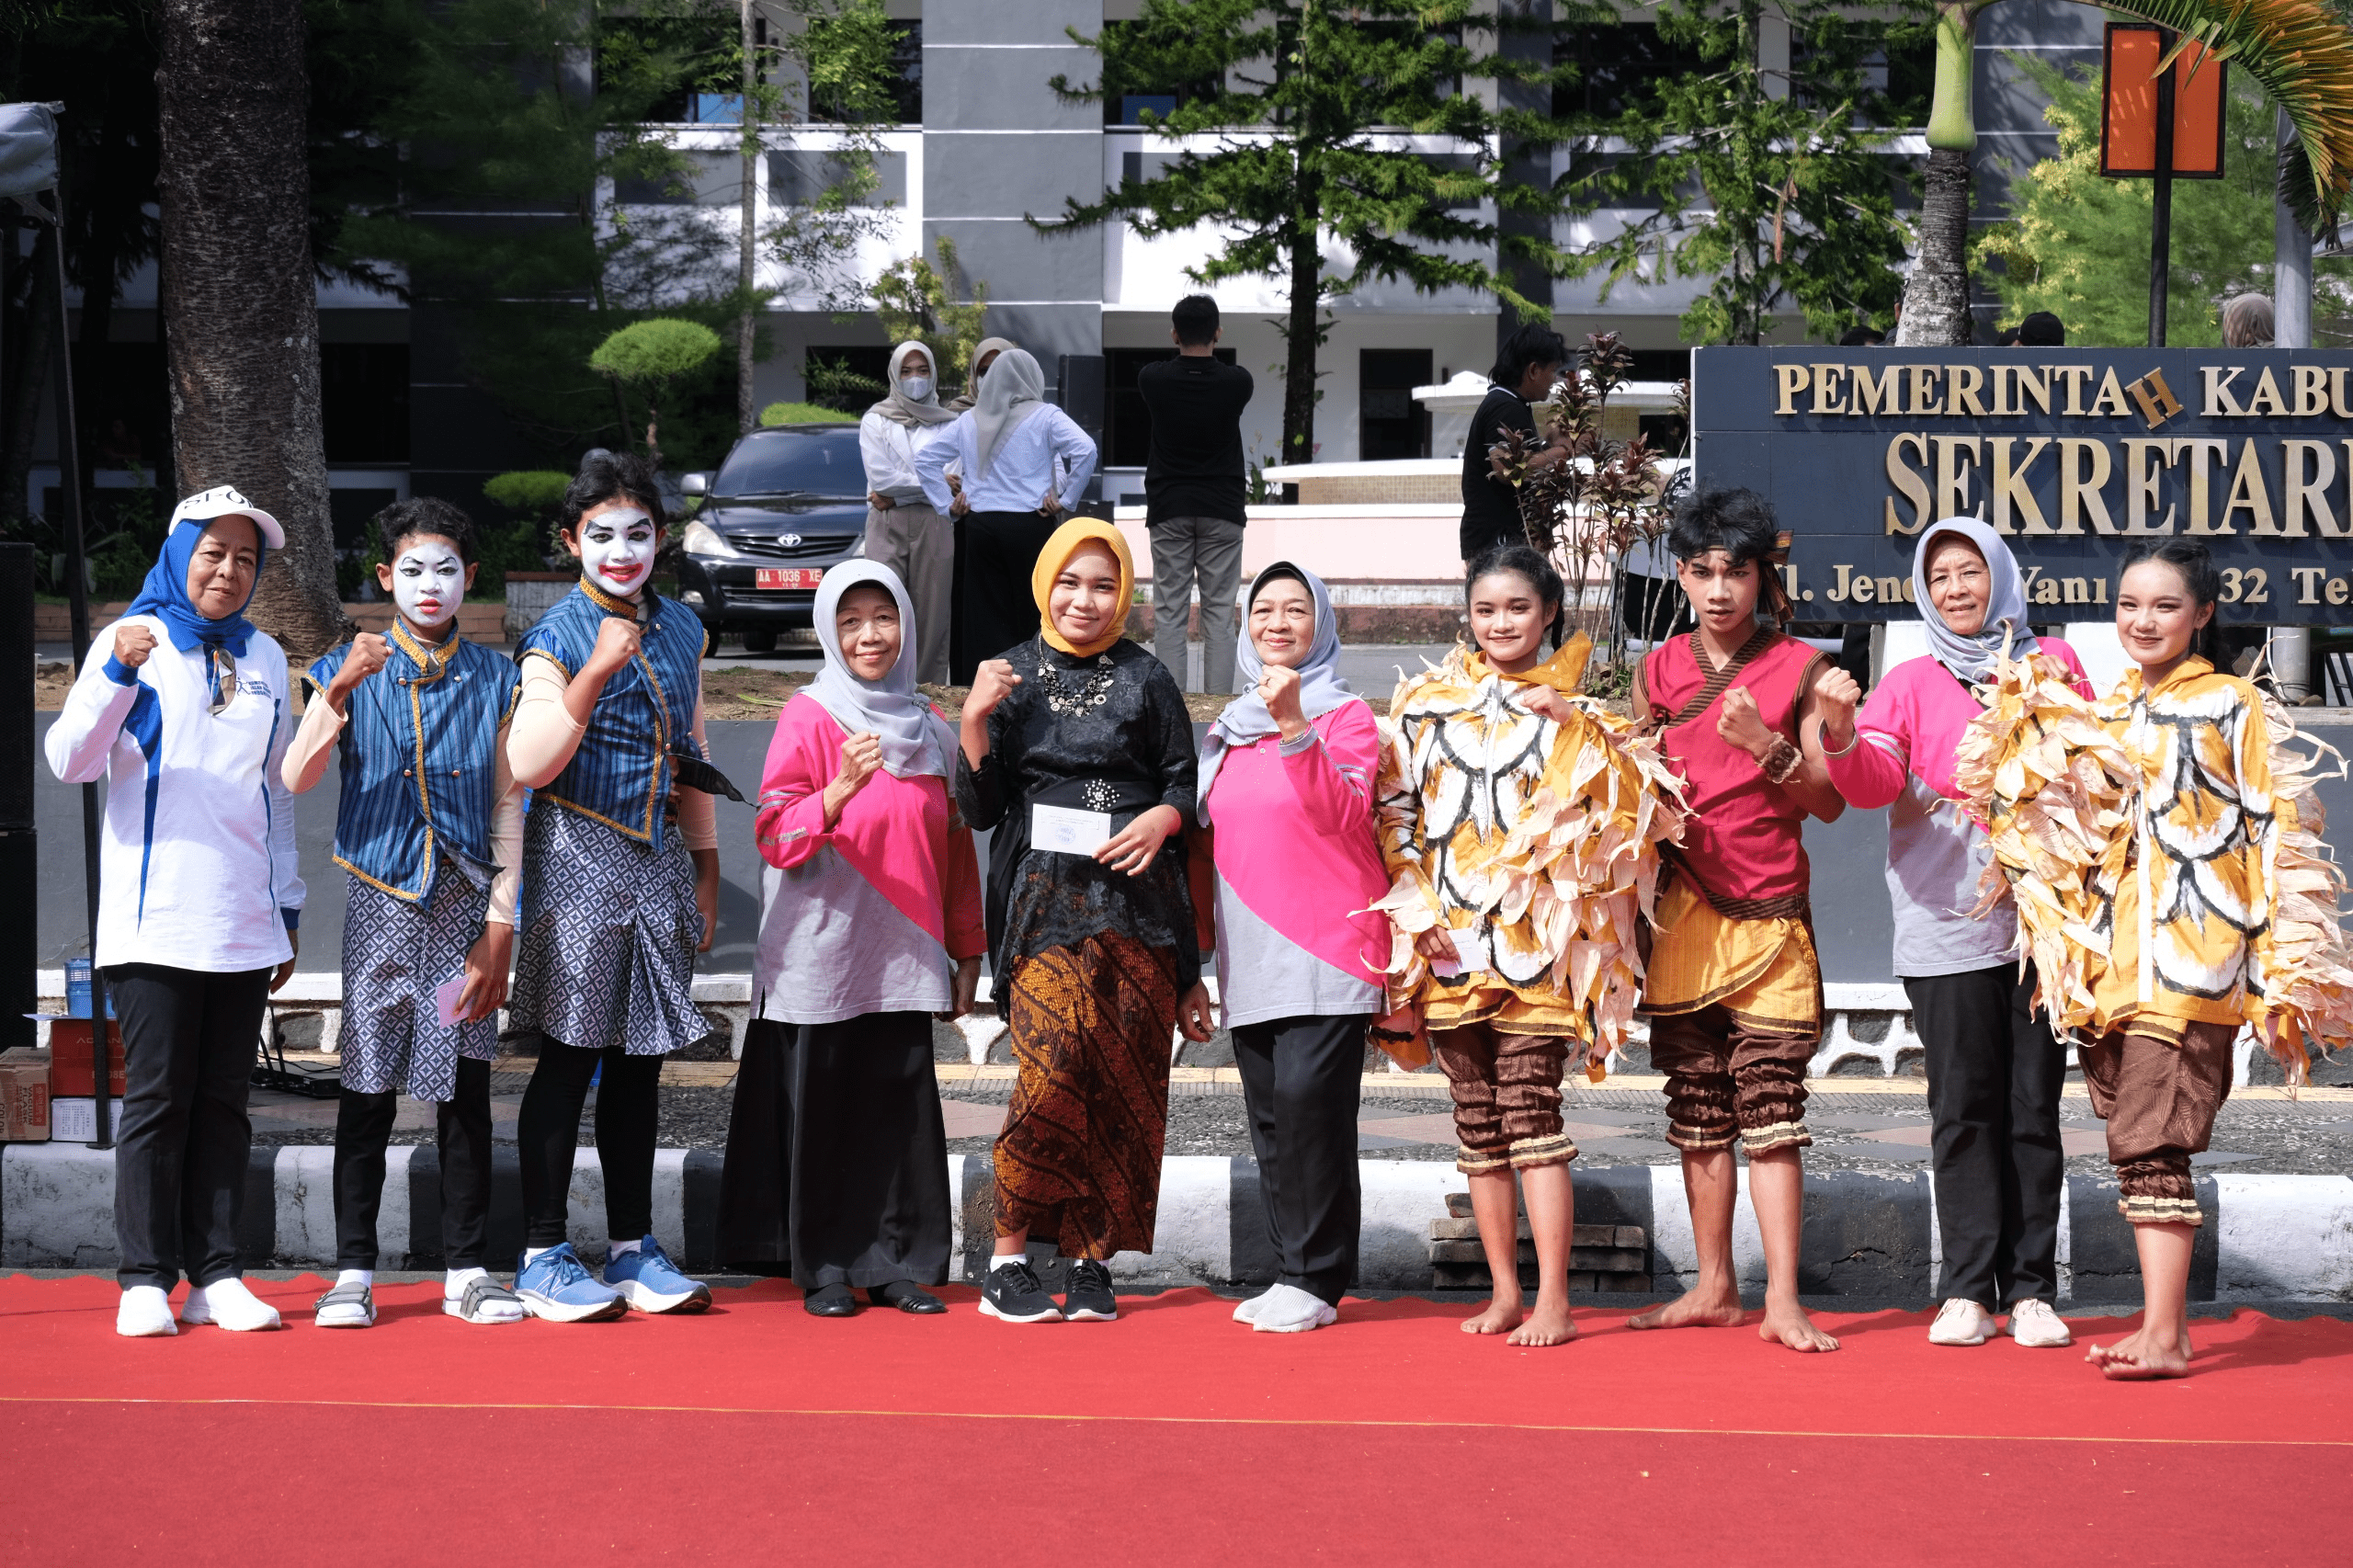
{"x":197,"y":865}
{"x":1021,"y":475}
{"x":890,"y":449}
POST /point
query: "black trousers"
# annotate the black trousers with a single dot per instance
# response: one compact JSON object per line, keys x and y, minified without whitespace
{"x":188,"y":1043}
{"x":547,"y":1134}
{"x":994,"y":609}
{"x":1301,"y":1079}
{"x":837,"y":1154}
{"x":363,"y":1129}
{"x":1994,"y":1073}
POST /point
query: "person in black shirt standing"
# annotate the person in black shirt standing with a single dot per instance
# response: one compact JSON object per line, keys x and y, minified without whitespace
{"x":1194,"y":491}
{"x":1532,"y":361}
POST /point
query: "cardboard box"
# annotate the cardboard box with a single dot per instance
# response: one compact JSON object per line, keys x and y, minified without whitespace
{"x":74,"y":1118}
{"x":68,"y":1054}
{"x":24,"y":1096}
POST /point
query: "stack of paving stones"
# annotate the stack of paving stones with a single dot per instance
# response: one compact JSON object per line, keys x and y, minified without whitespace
{"x":1601,"y":1257}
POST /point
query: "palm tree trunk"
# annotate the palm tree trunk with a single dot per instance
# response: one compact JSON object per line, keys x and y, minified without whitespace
{"x":239,"y":302}
{"x":1935,"y":298}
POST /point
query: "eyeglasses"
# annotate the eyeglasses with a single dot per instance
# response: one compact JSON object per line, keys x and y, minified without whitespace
{"x":221,"y":670}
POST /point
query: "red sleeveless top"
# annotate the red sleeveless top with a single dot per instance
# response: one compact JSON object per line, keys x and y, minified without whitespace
{"x":1742,"y":843}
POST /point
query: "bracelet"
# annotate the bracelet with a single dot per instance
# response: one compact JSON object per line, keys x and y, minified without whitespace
{"x":1780,"y":761}
{"x":1847,"y":750}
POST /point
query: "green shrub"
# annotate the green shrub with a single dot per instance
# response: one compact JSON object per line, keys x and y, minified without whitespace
{"x":650,"y":353}
{"x":778,"y":414}
{"x":535,"y":493}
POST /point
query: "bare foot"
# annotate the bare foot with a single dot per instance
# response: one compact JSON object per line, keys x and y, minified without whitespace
{"x":1498,"y":1316}
{"x":1788,"y":1324}
{"x":1694,"y":1308}
{"x":2139,"y":1358}
{"x":1548,"y":1324}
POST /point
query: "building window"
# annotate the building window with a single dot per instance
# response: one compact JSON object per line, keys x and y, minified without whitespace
{"x":1389,"y":424}
{"x":363,"y":401}
{"x":798,"y":178}
{"x":1126,"y":423}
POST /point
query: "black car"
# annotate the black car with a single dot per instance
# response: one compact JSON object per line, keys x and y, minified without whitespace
{"x":787,"y":503}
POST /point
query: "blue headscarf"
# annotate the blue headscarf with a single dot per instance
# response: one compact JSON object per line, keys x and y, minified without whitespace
{"x":164,"y":594}
{"x":1321,"y":689}
{"x":1970,"y":658}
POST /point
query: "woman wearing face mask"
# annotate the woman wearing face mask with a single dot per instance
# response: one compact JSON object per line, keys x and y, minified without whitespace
{"x":1286,"y":776}
{"x":903,"y":531}
{"x":1076,"y":749}
{"x":184,"y":710}
{"x":620,"y":889}
{"x":2216,"y":896}
{"x":1995,"y":1067}
{"x":837,"y":1153}
{"x":1024,"y":461}
{"x":1502,"y":785}
{"x":430,"y":830}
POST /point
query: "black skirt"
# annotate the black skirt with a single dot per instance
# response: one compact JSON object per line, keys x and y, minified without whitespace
{"x":995,"y":609}
{"x":836,"y":1154}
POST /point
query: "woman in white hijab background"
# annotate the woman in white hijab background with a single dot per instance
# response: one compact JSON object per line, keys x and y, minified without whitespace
{"x":903,"y":531}
{"x":1995,"y":1069}
{"x":1024,"y":462}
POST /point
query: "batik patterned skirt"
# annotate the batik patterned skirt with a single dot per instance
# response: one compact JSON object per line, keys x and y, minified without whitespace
{"x":1078,"y":1162}
{"x":395,"y":955}
{"x":605,"y":954}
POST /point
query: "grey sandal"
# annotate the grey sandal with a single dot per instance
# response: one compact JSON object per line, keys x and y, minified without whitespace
{"x":346,"y":1296}
{"x":482,"y":1291}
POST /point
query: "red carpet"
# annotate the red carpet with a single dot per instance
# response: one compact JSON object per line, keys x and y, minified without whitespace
{"x":1173,"y":1436}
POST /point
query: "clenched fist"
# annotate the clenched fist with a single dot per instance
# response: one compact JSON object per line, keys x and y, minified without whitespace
{"x":366,"y":656}
{"x":861,"y":759}
{"x":1834,"y":698}
{"x":1741,"y":724}
{"x":1279,"y":689}
{"x":616,"y":644}
{"x":133,"y":644}
{"x":992,"y":684}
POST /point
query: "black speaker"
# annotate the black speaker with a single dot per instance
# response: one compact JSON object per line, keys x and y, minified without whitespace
{"x":20,"y":848}
{"x":1082,"y":390}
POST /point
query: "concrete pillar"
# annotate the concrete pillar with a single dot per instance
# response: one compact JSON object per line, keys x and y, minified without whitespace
{"x":997,"y":144}
{"x":2292,"y":313}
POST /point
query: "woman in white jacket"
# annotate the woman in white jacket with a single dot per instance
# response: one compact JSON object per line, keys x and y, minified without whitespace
{"x":185,"y":713}
{"x":903,"y":531}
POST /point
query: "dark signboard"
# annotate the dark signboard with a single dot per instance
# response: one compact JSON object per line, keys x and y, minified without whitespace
{"x":2069,"y":453}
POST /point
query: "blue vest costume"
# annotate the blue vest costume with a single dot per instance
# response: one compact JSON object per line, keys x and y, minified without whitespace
{"x":418,"y":753}
{"x":620,"y":775}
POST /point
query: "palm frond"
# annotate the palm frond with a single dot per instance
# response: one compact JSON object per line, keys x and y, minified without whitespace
{"x":2300,"y":53}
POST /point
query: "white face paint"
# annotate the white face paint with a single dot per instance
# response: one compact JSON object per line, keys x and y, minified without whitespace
{"x":428,"y":580}
{"x":617,"y":548}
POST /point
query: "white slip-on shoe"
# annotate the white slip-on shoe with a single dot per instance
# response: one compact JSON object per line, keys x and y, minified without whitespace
{"x":2037,"y":1325}
{"x":1247,"y":1311}
{"x":1289,"y":1309}
{"x":145,"y":1313}
{"x":1960,"y":1322}
{"x":229,"y":1304}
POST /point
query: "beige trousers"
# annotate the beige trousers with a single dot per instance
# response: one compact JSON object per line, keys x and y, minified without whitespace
{"x":920,"y":546}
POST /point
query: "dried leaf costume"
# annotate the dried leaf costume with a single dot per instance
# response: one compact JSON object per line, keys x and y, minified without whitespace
{"x":1538,"y":841}
{"x":2163,"y":850}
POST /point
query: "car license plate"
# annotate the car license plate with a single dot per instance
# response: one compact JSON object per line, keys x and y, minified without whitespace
{"x":786,"y":577}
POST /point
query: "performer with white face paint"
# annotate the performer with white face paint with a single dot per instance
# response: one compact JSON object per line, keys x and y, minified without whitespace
{"x":620,"y":888}
{"x":430,"y":829}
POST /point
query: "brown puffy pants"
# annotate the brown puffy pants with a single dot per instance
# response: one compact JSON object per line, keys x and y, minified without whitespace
{"x":1726,"y":1077}
{"x":1506,"y":1090}
{"x":2159,"y":1100}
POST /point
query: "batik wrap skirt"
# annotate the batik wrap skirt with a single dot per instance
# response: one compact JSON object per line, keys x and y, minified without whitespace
{"x":396,"y":954}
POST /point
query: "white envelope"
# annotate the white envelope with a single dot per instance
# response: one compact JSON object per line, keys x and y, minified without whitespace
{"x":445,"y":999}
{"x":1469,"y":953}
{"x":1066,"y":831}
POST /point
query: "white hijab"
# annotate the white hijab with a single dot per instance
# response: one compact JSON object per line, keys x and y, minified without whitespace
{"x":898,"y":408}
{"x":1011,"y":393}
{"x":915,"y":739}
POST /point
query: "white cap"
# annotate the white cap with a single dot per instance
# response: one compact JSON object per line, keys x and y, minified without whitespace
{"x":223,"y":501}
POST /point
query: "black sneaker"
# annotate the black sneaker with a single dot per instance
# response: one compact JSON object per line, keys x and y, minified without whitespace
{"x":1089,"y":1298}
{"x":1014,"y":1294}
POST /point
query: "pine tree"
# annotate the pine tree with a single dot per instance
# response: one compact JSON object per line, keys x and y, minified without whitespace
{"x":1310,"y":181}
{"x":1779,"y":189}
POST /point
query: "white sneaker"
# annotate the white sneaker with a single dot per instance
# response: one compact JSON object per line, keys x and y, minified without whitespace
{"x":2037,"y":1325}
{"x":1289,"y":1309}
{"x":228,"y":1303}
{"x":1247,"y":1311}
{"x":145,"y":1313}
{"x":1960,"y":1322}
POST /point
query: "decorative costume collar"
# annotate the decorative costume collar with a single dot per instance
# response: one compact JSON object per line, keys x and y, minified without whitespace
{"x":612,"y":603}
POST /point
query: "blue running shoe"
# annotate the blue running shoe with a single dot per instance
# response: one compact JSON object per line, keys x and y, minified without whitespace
{"x":558,"y":1286}
{"x":651,"y":1283}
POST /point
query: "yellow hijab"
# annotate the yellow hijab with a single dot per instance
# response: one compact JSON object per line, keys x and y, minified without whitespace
{"x":1065,"y":543}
